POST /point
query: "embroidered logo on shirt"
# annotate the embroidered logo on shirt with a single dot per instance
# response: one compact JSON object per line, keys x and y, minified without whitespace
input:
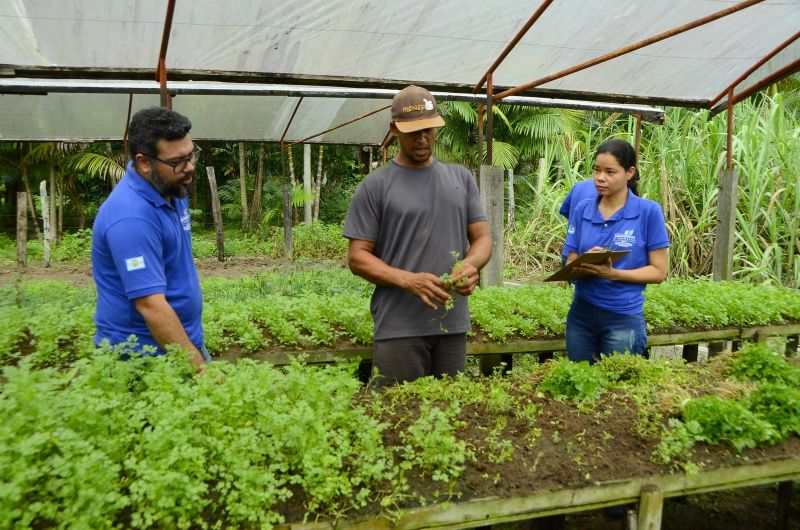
{"x":571,"y":229}
{"x":134,"y":264}
{"x":624,"y":239}
{"x":186,"y":220}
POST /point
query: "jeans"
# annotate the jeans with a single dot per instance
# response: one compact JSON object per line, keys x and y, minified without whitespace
{"x":592,"y":331}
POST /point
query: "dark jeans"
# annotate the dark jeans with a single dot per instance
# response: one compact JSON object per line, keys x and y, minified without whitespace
{"x":592,"y":331}
{"x":408,"y":358}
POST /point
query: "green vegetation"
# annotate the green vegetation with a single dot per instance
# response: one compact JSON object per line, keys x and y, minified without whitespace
{"x":52,"y":321}
{"x":763,"y":409}
{"x":149,"y":443}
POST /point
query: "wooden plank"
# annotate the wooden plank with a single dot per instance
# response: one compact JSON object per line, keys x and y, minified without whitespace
{"x":651,"y":505}
{"x":22,"y":229}
{"x":544,"y":348}
{"x":480,"y":512}
{"x":216,"y":210}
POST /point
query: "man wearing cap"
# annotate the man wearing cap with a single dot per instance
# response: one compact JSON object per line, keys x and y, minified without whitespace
{"x":408,"y":223}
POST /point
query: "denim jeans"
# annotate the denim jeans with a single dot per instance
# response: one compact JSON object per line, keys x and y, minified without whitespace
{"x":592,"y":331}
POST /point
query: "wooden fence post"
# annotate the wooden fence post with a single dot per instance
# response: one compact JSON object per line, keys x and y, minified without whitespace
{"x":491,"y":188}
{"x":216,"y":211}
{"x":651,"y":504}
{"x":722,"y":266}
{"x":48,"y":235}
{"x":22,"y":229}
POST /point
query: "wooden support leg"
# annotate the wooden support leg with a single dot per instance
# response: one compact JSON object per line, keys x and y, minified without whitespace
{"x":715,"y":348}
{"x":791,"y":345}
{"x":546,"y":356}
{"x":490,"y":363}
{"x":690,"y":352}
{"x":651,"y":504}
{"x":553,"y":522}
{"x":784,"y":496}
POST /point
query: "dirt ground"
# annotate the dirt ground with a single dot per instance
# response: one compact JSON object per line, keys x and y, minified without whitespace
{"x":571,"y":446}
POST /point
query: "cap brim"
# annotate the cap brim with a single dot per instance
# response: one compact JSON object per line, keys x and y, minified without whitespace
{"x":418,"y":125}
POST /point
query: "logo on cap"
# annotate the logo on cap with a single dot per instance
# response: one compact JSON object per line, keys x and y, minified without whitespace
{"x":413,"y":109}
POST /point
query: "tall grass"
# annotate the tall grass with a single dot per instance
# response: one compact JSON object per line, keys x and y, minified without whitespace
{"x":680,"y":164}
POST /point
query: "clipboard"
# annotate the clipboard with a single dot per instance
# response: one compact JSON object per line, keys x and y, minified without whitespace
{"x":566,"y":273}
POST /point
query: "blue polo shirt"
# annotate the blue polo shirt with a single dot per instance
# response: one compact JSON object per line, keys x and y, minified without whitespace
{"x":142,"y":245}
{"x":638,"y":226}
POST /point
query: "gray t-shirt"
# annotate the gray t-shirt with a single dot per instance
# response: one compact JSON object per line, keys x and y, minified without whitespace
{"x":416,"y":217}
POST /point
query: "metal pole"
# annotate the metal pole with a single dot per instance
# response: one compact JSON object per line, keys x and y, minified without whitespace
{"x":730,"y":130}
{"x":513,"y":43}
{"x":489,"y":120}
{"x":628,"y":49}
{"x":291,"y":119}
{"x":481,"y":113}
{"x":638,"y":134}
{"x":339,"y":126}
{"x":779,"y":74}
{"x":753,"y":68}
{"x":161,"y":70}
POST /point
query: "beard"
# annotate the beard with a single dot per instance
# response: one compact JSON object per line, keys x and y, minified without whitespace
{"x":171,"y":189}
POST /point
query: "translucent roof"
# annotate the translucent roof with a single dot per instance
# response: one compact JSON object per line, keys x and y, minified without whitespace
{"x":445,"y":45}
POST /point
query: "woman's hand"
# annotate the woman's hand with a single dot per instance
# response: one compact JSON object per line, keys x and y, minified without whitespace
{"x":603,"y":270}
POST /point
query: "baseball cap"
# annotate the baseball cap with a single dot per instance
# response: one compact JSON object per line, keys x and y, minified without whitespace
{"x":413,"y":109}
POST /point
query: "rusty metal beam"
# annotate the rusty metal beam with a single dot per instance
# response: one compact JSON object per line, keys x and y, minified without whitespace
{"x":387,"y":141}
{"x":775,"y":76}
{"x":348,"y":122}
{"x":489,"y":119}
{"x":638,"y":140}
{"x":628,"y":49}
{"x":513,"y":43}
{"x":755,"y":67}
{"x":291,"y":119}
{"x":161,"y":70}
{"x":729,"y":139}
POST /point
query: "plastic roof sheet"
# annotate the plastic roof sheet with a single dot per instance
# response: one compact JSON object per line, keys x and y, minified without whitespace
{"x":47,"y":109}
{"x":446,"y":45}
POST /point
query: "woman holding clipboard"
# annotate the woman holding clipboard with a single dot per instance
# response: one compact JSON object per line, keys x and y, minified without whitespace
{"x":607,"y":313}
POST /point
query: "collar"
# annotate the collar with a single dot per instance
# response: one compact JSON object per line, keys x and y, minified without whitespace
{"x":630,"y":210}
{"x":142,"y":187}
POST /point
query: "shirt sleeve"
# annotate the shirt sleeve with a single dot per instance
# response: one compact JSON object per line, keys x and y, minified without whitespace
{"x":572,"y":241}
{"x":475,"y":210}
{"x":363,"y":219}
{"x":137,"y":250}
{"x":657,"y":236}
{"x":564,"y":210}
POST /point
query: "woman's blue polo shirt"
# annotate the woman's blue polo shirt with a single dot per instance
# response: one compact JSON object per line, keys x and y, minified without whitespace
{"x":142,"y":245}
{"x":638,"y":226}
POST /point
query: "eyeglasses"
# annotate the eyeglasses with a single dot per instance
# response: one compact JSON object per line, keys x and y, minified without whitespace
{"x":180,"y":164}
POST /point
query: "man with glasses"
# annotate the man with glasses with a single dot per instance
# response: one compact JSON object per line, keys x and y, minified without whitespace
{"x":147,"y":283}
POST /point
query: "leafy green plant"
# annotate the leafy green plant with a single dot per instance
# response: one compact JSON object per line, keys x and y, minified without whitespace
{"x":574,"y":381}
{"x":757,"y":363}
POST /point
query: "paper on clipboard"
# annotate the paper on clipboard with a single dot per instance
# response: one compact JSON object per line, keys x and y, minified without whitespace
{"x":566,"y":273}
